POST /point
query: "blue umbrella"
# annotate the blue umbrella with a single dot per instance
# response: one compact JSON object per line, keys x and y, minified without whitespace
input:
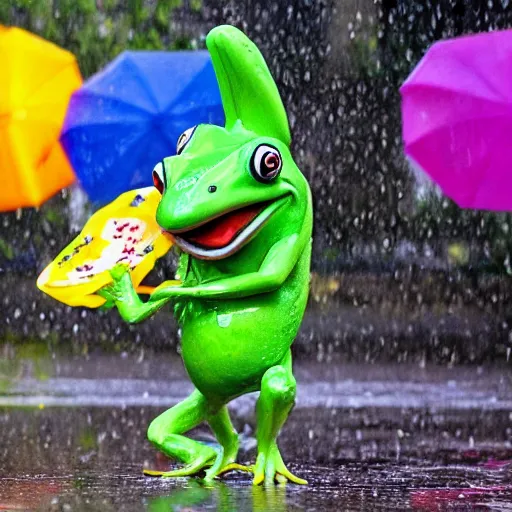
{"x":126,"y":118}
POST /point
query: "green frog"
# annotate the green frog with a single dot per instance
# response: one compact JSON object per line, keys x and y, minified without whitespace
{"x":240,"y":213}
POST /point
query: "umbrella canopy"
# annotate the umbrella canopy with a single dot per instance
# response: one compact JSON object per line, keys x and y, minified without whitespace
{"x":126,"y":232}
{"x":457,"y":119}
{"x":129,"y":116}
{"x":38,"y":79}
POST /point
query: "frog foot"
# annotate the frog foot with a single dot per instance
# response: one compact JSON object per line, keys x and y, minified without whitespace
{"x":225,"y":461}
{"x":204,"y":460}
{"x":270,"y":468}
{"x":233,"y":466}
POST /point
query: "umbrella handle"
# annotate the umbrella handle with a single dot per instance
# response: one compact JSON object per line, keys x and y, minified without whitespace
{"x":148,"y":290}
{"x":145,"y":290}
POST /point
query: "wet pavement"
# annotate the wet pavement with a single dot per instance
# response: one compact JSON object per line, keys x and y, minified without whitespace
{"x":367,"y":437}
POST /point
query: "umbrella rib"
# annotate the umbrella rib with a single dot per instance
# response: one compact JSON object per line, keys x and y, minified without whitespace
{"x":143,"y":81}
{"x":94,"y":94}
{"x":42,"y":84}
{"x":481,"y":176}
{"x":99,"y":125}
{"x":172,"y":143}
{"x":184,"y":91}
{"x":142,"y":155}
{"x":443,"y":88}
{"x":108,"y":137}
{"x":482,"y":77}
{"x":444,"y":127}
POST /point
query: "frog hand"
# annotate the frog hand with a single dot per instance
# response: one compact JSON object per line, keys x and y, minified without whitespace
{"x":120,"y":287}
{"x":123,"y":295}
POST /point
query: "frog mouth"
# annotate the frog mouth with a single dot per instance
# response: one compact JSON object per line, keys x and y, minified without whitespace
{"x":225,"y":234}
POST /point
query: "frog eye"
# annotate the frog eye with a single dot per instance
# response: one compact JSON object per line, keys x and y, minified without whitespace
{"x":184,"y":138}
{"x":159,"y":177}
{"x":266,"y":163}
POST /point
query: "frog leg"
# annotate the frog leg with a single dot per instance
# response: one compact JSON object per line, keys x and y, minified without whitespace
{"x":227,"y":437}
{"x":277,"y":397}
{"x":165,"y":432}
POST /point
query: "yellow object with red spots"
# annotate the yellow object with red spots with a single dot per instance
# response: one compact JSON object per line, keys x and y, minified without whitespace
{"x":123,"y":232}
{"x":38,"y":79}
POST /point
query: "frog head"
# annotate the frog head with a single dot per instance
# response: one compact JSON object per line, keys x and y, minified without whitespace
{"x":226,"y":183}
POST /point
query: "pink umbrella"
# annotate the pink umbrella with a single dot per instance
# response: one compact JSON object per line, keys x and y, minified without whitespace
{"x":457,"y":119}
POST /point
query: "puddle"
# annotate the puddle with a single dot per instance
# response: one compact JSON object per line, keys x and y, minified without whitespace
{"x":392,"y":437}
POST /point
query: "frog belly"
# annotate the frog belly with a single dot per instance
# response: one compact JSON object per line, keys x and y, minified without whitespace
{"x":229,"y":345}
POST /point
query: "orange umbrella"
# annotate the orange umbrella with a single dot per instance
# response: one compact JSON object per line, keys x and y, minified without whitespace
{"x":38,"y":79}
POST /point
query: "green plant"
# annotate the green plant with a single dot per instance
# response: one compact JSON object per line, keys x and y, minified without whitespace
{"x":96,"y":31}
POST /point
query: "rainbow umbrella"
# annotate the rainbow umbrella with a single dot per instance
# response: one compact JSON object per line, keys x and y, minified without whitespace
{"x":457,"y":119}
{"x":38,"y":79}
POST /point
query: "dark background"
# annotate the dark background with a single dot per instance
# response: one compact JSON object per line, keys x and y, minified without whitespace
{"x":400,"y":273}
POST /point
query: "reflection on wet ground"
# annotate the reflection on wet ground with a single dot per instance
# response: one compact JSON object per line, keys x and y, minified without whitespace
{"x":366,"y":437}
{"x":376,"y":486}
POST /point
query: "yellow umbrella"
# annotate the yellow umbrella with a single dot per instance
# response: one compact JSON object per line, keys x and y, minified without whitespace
{"x":38,"y":79}
{"x":123,"y":232}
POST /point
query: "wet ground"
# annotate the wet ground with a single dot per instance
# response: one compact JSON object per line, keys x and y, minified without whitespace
{"x":386,"y":437}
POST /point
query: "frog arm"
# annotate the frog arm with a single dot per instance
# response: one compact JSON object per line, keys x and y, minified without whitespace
{"x":274,"y":270}
{"x":122,"y":293}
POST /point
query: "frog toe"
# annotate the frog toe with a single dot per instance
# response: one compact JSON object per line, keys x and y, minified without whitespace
{"x":270,"y":469}
{"x":235,"y":467}
{"x":193,"y":468}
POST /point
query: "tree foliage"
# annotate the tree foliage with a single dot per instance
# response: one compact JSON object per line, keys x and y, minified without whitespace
{"x":97,"y":30}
